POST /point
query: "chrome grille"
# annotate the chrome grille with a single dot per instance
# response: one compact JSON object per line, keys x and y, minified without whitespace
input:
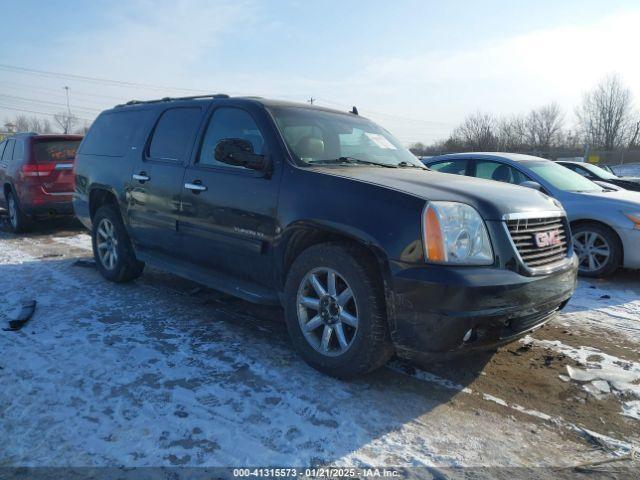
{"x":523,"y":232}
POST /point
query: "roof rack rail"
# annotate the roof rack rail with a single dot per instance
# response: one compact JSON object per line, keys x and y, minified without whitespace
{"x":173,"y":99}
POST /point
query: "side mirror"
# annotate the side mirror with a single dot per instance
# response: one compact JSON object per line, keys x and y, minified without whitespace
{"x":239,"y":152}
{"x":532,"y":184}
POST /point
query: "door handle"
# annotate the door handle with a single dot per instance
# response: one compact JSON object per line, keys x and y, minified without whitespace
{"x":195,"y":187}
{"x":141,"y":177}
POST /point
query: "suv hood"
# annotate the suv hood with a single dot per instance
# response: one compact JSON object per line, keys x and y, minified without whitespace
{"x":492,"y":199}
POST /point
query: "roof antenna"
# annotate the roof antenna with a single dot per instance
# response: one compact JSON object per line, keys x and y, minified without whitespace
{"x":354,"y":110}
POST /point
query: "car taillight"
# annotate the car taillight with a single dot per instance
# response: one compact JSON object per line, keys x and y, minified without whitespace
{"x":38,"y":169}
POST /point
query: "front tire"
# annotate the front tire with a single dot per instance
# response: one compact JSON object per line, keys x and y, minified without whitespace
{"x":112,"y":247}
{"x":18,"y":221}
{"x":335,"y":311}
{"x":598,"y":249}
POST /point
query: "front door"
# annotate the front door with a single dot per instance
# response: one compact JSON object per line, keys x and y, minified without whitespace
{"x":229,"y":212}
{"x":157,"y":179}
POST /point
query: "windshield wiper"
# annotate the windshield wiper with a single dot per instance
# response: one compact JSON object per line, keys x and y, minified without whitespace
{"x":404,"y":164}
{"x":353,"y":161}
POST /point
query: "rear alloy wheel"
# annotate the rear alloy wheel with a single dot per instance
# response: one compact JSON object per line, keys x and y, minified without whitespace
{"x":17,"y":219}
{"x":107,"y":244}
{"x":112,"y":247}
{"x":335,"y":310}
{"x":598,"y":250}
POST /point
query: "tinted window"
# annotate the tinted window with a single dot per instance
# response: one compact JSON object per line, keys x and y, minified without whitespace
{"x":113,"y":133}
{"x":18,"y":150}
{"x":55,"y":151}
{"x":499,"y":172}
{"x":229,"y":123}
{"x":2,"y":145}
{"x":8,"y":151}
{"x":174,"y":134}
{"x":457,"y":167}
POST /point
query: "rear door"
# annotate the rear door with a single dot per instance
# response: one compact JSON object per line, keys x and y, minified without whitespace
{"x":229,"y":212}
{"x":157,"y":178}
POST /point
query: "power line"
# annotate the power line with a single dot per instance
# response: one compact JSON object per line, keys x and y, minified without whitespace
{"x":84,"y":78}
{"x":5,"y":107}
{"x":45,"y":102}
{"x":19,"y":86}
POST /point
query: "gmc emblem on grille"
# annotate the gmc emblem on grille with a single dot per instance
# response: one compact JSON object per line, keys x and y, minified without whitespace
{"x":547,"y":239}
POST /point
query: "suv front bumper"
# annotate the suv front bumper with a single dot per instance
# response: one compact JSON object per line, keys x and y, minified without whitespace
{"x":439,"y":310}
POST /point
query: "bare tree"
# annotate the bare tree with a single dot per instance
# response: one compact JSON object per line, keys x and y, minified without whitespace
{"x":510,"y":132}
{"x":476,"y":132}
{"x":21,"y":123}
{"x":544,"y":127}
{"x":66,"y":121}
{"x":46,"y":126}
{"x":605,"y":116}
{"x":635,"y":135}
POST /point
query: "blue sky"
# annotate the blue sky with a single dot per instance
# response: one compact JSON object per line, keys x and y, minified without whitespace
{"x":417,"y":67}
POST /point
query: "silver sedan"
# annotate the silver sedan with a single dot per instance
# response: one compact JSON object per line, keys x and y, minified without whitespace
{"x":605,"y":222}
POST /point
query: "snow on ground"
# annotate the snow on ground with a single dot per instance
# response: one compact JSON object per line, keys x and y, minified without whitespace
{"x":603,"y":374}
{"x":604,"y":307}
{"x":81,"y":240}
{"x":145,"y":374}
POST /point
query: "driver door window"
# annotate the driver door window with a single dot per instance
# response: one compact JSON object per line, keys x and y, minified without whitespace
{"x":228,"y":122}
{"x":499,"y":172}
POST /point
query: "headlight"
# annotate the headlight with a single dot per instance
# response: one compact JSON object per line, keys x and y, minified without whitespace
{"x":455,"y":233}
{"x":634,"y":217}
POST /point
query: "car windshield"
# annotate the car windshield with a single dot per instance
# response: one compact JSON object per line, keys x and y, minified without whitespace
{"x":319,"y":137}
{"x":562,"y":178}
{"x":600,"y":172}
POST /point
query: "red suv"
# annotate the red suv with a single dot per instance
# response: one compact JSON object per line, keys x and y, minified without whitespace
{"x":36,"y":173}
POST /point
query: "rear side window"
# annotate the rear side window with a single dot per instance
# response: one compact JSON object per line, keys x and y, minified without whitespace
{"x":55,"y":151}
{"x":8,"y":151}
{"x":18,"y":150}
{"x":457,"y":167}
{"x":113,"y":133}
{"x":174,"y":134}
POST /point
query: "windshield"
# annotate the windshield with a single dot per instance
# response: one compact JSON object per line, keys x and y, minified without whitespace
{"x":600,"y":172}
{"x":562,"y":178}
{"x":316,"y":137}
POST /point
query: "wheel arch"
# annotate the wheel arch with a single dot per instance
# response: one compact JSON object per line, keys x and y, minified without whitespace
{"x":585,"y":221}
{"x":100,"y":196}
{"x":299,"y":237}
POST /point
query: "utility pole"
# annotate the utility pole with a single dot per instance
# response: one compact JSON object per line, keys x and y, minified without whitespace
{"x":68,"y":123}
{"x":311,"y":100}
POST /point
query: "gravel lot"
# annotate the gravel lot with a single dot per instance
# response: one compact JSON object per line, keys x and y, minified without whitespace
{"x":162,"y":372}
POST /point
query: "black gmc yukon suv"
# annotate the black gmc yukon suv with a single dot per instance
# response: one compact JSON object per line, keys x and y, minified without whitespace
{"x":327,"y":214}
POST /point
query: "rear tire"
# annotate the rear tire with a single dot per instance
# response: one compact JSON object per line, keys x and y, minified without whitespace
{"x":18,"y":221}
{"x":598,"y":248}
{"x":354,"y":297}
{"x":112,"y":247}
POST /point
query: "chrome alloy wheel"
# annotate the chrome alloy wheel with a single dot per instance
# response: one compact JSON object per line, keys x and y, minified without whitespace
{"x":327,"y":311}
{"x":592,"y":249}
{"x":107,"y":244}
{"x":13,"y":212}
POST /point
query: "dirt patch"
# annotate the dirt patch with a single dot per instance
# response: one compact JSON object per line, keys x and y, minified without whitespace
{"x":530,"y":376}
